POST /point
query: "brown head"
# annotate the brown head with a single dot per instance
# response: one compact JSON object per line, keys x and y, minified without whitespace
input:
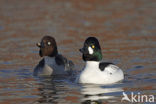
{"x":47,"y":46}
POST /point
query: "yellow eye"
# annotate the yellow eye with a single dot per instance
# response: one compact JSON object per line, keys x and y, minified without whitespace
{"x":93,"y":46}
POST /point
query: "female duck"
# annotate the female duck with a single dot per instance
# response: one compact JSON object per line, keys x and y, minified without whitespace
{"x":52,"y":62}
{"x":95,"y":71}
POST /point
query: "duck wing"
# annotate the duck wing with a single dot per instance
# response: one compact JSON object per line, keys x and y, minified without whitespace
{"x":103,"y":65}
{"x":61,"y":60}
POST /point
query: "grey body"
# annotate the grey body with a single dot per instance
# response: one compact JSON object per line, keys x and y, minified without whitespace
{"x":54,"y":66}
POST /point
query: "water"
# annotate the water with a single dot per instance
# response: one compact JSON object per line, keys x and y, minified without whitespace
{"x":125,"y":29}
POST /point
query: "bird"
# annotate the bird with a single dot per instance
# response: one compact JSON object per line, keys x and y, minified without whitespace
{"x":52,"y":62}
{"x":95,"y":70}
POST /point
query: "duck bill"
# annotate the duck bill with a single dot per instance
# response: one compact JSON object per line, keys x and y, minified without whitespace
{"x":38,"y":44}
{"x":83,"y":50}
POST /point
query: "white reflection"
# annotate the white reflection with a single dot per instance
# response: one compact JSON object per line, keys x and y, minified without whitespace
{"x":94,"y":92}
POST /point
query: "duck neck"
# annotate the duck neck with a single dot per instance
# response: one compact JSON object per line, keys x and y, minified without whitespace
{"x":92,"y":64}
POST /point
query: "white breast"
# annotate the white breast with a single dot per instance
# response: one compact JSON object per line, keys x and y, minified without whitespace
{"x":92,"y":74}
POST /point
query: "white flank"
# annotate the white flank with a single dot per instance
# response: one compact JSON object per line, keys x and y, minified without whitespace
{"x":92,"y":74}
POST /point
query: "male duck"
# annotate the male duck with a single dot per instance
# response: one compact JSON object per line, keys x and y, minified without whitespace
{"x":52,"y":62}
{"x":95,"y":71}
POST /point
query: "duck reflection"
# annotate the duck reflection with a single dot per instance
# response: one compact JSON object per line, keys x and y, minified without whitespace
{"x":96,"y":94}
{"x":47,"y":89}
{"x":55,"y":90}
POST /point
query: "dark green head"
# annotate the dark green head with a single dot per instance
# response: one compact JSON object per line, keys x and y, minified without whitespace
{"x":91,"y":50}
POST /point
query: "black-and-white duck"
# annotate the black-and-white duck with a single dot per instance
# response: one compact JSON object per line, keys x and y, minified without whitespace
{"x":96,"y":71}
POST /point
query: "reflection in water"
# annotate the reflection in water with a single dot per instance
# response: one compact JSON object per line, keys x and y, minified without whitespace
{"x":56,"y":90}
{"x":97,"y":93}
{"x":36,"y":90}
{"x":59,"y":90}
{"x":47,"y":91}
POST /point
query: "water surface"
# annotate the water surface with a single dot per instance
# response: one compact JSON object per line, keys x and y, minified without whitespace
{"x":126,"y":31}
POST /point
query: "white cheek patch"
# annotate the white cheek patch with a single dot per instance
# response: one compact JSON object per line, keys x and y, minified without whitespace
{"x":90,"y":50}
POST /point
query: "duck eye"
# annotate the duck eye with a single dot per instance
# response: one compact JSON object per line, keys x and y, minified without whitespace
{"x":49,"y":43}
{"x":93,"y":46}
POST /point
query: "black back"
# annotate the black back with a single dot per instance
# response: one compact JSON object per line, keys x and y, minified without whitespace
{"x":103,"y":65}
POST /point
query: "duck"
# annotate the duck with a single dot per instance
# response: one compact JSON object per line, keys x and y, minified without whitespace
{"x":52,"y":62}
{"x":95,"y":70}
